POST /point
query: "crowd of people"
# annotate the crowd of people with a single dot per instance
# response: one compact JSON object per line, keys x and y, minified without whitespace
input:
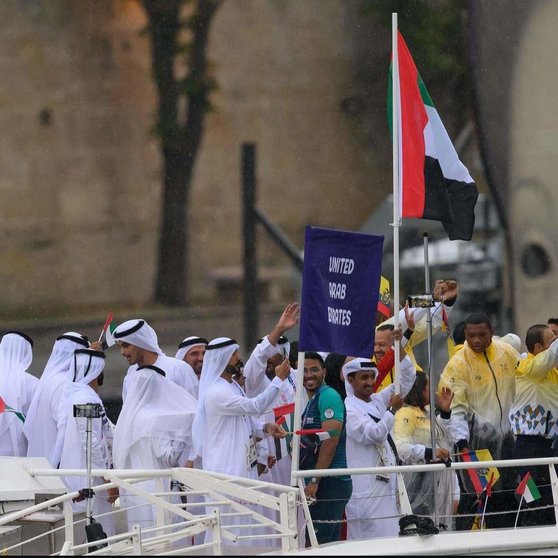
{"x":204,"y":408}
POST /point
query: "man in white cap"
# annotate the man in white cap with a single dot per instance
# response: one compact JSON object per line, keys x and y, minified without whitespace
{"x":86,"y":376}
{"x":17,"y":388}
{"x":140,"y":347}
{"x":192,"y":350}
{"x":372,"y":510}
{"x":41,"y":428}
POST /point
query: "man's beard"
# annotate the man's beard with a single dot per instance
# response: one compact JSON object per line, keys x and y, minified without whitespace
{"x":235,"y":368}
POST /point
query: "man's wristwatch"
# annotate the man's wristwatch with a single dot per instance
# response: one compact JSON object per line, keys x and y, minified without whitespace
{"x":392,"y":410}
{"x":314,"y":480}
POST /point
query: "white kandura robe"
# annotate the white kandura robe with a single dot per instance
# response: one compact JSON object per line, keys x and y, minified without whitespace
{"x":153,"y":431}
{"x":256,"y":382}
{"x":74,"y":451}
{"x":373,"y":508}
{"x":177,"y":371}
{"x":17,"y":388}
{"x":12,"y":440}
{"x":231,"y":428}
{"x":41,"y":424}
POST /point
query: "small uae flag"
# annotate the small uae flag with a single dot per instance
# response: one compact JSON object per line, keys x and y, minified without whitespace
{"x":321,"y":433}
{"x":528,"y":489}
{"x":107,"y":337}
{"x":281,"y":413}
{"x":7,"y":409}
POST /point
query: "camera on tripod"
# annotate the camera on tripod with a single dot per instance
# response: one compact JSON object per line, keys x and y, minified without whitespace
{"x":88,"y":410}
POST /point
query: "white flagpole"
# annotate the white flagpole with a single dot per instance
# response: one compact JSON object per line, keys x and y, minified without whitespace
{"x":518,"y":510}
{"x":432,"y":386}
{"x":295,"y":452}
{"x":396,"y":119}
{"x":484,"y":511}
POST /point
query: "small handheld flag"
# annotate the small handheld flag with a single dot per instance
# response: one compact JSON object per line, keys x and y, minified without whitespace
{"x":384,"y":298}
{"x":528,"y":489}
{"x":483,"y":499}
{"x":480,"y":477}
{"x":7,"y":409}
{"x":321,"y":433}
{"x":106,"y":336}
{"x":281,"y":412}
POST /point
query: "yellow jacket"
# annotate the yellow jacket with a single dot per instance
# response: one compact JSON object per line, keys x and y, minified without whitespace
{"x":484,"y":387}
{"x":535,"y":407}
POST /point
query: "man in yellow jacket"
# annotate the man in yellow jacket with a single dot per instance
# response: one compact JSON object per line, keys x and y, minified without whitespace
{"x":534,"y":414}
{"x":482,"y":378}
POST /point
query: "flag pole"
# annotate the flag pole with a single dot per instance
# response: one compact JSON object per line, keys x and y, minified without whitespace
{"x":396,"y":120}
{"x":106,"y":326}
{"x":431,"y":386}
{"x":295,"y":452}
{"x":518,"y":510}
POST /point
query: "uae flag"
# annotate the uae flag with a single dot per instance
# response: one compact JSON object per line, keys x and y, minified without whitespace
{"x":433,"y":182}
{"x":321,"y":433}
{"x":528,"y":489}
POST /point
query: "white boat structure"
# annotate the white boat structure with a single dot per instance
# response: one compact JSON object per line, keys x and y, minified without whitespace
{"x":36,"y":517}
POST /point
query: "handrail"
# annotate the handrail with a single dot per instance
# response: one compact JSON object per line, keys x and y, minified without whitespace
{"x":238,"y":494}
{"x":426,"y":467}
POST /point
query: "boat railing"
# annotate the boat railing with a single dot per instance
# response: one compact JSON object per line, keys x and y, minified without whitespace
{"x":236,"y":512}
{"x":400,"y":470}
{"x":213,"y":513}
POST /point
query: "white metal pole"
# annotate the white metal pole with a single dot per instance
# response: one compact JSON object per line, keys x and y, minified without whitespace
{"x":396,"y":120}
{"x":89,"y":431}
{"x":295,"y":453}
{"x":431,"y":386}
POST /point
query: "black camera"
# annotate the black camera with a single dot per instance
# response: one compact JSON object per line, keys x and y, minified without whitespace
{"x":88,"y":410}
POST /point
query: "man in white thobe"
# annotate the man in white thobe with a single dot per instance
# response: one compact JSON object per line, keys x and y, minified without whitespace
{"x":153,"y":431}
{"x":86,"y":376}
{"x":41,"y":428}
{"x":139,"y":345}
{"x":192,"y":350}
{"x":17,"y":388}
{"x":259,"y":372}
{"x":226,"y":425}
{"x":372,"y":510}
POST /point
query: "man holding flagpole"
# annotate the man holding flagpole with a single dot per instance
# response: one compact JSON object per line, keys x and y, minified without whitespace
{"x":17,"y":388}
{"x":373,"y":509}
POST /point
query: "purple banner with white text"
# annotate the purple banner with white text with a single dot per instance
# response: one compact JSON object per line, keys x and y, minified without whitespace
{"x":341,"y":275}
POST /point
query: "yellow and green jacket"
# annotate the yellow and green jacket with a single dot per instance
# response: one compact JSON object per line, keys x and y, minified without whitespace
{"x":535,"y":407}
{"x":483,"y":385}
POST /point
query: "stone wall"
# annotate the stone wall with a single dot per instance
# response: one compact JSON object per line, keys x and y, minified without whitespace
{"x":80,"y":172}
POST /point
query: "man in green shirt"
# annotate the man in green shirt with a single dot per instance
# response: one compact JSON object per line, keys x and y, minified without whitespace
{"x":325,"y":410}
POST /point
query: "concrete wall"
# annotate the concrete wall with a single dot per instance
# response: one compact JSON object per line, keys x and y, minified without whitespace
{"x":79,"y":180}
{"x":80,"y":172}
{"x":514,"y":46}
